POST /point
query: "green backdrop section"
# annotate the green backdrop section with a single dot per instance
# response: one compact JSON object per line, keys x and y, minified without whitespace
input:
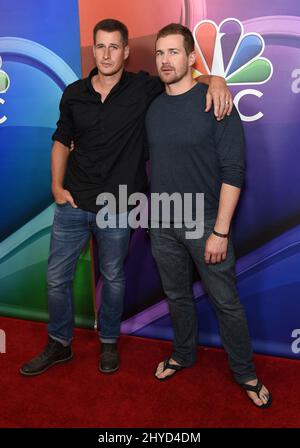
{"x":23,"y":270}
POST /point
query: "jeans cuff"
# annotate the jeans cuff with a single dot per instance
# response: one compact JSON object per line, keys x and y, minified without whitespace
{"x":183,"y":363}
{"x":62,"y":341}
{"x":108,"y":340}
{"x":245,"y":379}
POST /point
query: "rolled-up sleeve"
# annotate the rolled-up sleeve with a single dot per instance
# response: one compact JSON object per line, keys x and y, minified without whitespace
{"x":230,"y":144}
{"x":64,"y":126}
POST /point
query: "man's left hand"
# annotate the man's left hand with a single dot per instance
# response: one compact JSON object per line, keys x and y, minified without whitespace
{"x":215,"y":249}
{"x":219,"y":94}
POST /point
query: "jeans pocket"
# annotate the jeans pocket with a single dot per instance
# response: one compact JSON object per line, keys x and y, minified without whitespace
{"x":62,"y":204}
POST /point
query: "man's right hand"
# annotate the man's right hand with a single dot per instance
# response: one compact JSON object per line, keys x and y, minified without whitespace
{"x":62,"y":196}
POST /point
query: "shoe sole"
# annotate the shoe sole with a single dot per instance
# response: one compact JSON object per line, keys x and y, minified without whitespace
{"x":109,"y":371}
{"x":47,"y":368}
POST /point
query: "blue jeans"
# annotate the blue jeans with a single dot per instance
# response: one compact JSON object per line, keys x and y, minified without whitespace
{"x":175,"y":255}
{"x":71,"y":231}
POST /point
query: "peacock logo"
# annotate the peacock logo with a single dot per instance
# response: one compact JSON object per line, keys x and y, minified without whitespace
{"x":4,"y":85}
{"x":4,"y":79}
{"x":225,"y":50}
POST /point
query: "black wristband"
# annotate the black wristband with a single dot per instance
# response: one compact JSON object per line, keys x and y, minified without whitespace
{"x":221,"y":235}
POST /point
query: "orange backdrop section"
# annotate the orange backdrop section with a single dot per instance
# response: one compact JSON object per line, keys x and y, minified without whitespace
{"x":142,"y":17}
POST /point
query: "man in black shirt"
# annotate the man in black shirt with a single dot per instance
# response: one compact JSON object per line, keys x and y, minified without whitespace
{"x":104,"y":116}
{"x":192,"y":153}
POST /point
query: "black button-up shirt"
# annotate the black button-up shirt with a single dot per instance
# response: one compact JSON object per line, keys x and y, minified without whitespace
{"x":108,"y":136}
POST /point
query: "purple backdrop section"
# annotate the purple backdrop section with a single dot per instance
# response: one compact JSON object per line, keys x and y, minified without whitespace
{"x":267,"y":221}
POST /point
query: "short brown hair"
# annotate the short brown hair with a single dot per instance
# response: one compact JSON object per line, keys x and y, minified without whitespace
{"x":177,"y":28}
{"x":111,"y":25}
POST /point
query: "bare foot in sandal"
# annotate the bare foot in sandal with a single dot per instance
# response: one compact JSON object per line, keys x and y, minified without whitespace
{"x":167,"y":368}
{"x":258,"y":393}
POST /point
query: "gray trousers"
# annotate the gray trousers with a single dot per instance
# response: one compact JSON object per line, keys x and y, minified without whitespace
{"x":174,"y":255}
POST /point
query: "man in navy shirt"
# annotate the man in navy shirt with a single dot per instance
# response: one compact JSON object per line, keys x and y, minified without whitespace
{"x":191,"y":153}
{"x":104,"y":116}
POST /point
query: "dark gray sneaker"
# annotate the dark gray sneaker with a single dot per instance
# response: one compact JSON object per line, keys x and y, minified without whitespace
{"x":53,"y":353}
{"x":109,"y":358}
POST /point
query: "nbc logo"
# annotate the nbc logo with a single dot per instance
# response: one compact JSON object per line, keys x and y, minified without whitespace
{"x":4,"y":85}
{"x":225,"y":50}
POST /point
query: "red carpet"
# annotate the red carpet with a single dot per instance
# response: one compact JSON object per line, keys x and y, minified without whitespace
{"x":75,"y":394}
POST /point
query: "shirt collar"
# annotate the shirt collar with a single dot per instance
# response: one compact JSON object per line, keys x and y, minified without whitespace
{"x":95,"y":71}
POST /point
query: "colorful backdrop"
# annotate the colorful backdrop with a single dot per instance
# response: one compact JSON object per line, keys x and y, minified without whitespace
{"x":46,"y":46}
{"x":40,"y":55}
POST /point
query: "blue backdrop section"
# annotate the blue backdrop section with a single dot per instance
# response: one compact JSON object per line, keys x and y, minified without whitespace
{"x":53,"y":24}
{"x":40,"y":56}
{"x":40,"y":50}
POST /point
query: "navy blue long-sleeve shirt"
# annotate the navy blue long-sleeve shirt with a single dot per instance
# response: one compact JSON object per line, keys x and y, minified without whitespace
{"x":190,"y":151}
